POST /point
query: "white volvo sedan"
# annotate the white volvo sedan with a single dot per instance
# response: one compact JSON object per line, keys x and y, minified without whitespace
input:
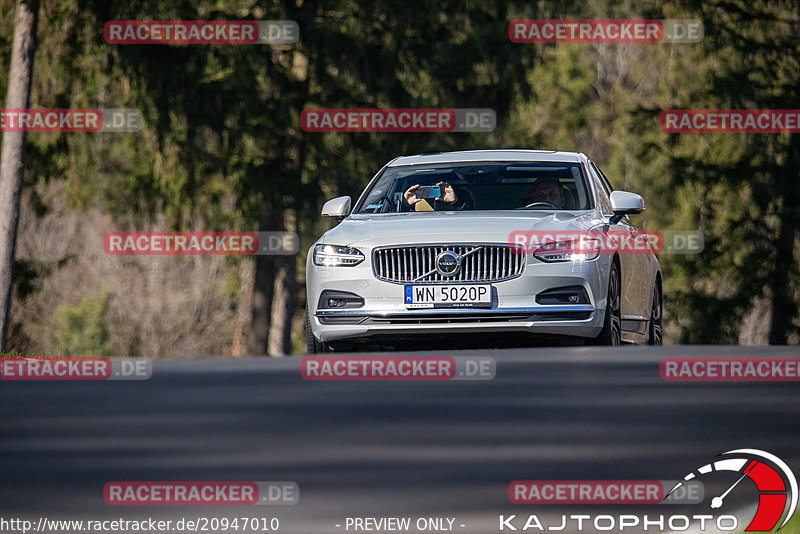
{"x":463,"y":248}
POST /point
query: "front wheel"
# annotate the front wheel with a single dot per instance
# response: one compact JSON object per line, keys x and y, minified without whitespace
{"x":611,"y":333}
{"x":654,"y":336}
{"x":313,"y":345}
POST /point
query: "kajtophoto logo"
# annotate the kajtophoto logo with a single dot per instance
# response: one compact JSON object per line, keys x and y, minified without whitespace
{"x":775,"y":493}
{"x":775,"y":483}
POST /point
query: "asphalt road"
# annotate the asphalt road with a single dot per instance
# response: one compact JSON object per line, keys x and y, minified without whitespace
{"x":378,"y":448}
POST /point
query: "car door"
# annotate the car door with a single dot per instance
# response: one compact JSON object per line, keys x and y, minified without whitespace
{"x":634,"y":279}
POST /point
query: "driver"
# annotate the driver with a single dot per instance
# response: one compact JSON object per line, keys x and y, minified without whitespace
{"x":549,"y":190}
{"x":447,"y":202}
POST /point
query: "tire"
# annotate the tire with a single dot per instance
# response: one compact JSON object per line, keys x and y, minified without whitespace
{"x":313,"y":345}
{"x":654,"y":333}
{"x":612,"y":333}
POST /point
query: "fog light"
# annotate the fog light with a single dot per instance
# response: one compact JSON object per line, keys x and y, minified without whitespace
{"x":563,"y":295}
{"x":339,"y":299}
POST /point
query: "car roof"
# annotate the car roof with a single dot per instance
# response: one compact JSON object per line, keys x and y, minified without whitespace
{"x":488,"y":155}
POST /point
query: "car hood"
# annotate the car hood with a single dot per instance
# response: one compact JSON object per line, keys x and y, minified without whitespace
{"x":442,"y":227}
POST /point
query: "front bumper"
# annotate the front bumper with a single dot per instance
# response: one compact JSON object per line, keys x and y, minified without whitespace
{"x":559,"y":320}
{"x":513,"y":307}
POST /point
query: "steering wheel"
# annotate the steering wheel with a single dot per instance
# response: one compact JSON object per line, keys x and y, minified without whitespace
{"x":541,"y":203}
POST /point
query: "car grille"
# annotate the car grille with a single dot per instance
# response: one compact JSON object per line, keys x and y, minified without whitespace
{"x":417,"y":263}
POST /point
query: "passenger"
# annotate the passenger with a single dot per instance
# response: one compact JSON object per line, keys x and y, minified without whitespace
{"x":447,"y":202}
{"x":549,"y":190}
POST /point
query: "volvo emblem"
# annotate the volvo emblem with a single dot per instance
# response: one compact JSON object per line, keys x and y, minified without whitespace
{"x":448,"y":263}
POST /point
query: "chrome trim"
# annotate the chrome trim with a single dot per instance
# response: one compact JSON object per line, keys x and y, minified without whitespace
{"x":450,"y":311}
{"x":481,"y":263}
{"x":634,"y":318}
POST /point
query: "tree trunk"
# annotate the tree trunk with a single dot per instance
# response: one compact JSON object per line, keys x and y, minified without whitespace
{"x":283,"y":299}
{"x":243,"y":308}
{"x":11,"y":167}
{"x":263,"y":292}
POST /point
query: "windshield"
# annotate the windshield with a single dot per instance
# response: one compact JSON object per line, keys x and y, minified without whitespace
{"x":487,"y":186}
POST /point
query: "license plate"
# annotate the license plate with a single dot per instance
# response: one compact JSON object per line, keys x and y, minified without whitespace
{"x":449,"y":296}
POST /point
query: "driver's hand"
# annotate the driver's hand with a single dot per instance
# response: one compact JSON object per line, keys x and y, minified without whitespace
{"x":411,"y":195}
{"x":449,"y":193}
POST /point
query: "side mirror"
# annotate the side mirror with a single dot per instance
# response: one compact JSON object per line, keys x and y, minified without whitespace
{"x":337,"y":208}
{"x":624,"y":203}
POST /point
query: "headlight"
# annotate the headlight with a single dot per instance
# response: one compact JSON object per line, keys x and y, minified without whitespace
{"x":334,"y":255}
{"x":584,"y":249}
